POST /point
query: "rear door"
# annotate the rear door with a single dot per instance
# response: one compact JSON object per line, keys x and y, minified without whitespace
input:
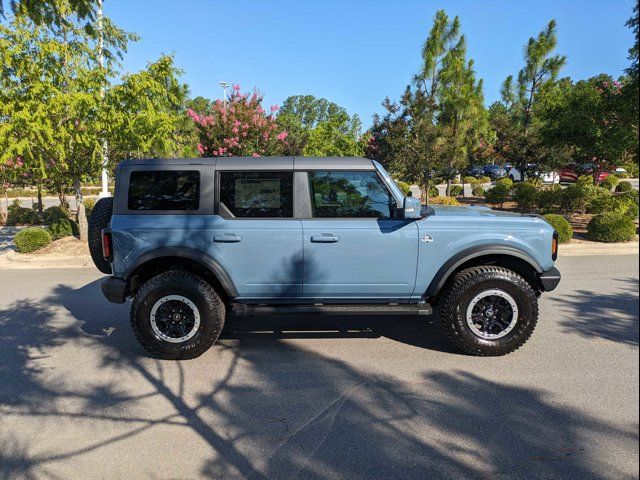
{"x":253,"y":234}
{"x":354,"y":244}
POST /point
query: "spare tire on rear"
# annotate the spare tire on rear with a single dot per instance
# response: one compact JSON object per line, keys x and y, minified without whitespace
{"x":99,"y":220}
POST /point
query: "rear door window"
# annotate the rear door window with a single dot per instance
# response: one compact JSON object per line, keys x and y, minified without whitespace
{"x":164,"y":190}
{"x":256,"y":194}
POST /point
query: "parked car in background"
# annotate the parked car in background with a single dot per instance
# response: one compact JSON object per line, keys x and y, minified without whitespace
{"x":476,"y":172}
{"x":571,"y":172}
{"x":494,"y":171}
{"x":548,"y":178}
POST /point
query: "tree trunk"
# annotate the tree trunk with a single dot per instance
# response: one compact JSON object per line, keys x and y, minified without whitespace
{"x":4,"y":213}
{"x":448,"y":192}
{"x":83,"y":226}
{"x":40,"y":199}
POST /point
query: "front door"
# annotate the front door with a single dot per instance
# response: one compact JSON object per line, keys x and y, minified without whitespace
{"x":254,"y":236}
{"x":354,"y":246}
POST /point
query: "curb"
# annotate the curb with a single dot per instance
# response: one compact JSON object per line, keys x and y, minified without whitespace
{"x":14,"y":260}
{"x":595,"y":248}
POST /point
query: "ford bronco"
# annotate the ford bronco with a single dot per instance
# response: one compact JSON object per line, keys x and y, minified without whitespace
{"x":193,"y":240}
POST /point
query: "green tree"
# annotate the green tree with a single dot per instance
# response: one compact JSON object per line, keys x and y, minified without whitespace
{"x":440,"y":120}
{"x":590,"y":117}
{"x":146,"y":112}
{"x":46,"y":12}
{"x":518,"y":140}
{"x":302,"y":114}
{"x":333,"y":138}
{"x":51,"y":96}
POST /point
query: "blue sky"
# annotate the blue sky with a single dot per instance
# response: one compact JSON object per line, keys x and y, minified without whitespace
{"x":357,"y":52}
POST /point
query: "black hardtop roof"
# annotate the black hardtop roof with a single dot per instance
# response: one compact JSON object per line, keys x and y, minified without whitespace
{"x":261,"y":163}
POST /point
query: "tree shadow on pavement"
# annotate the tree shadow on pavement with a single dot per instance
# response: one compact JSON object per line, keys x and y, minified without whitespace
{"x":607,"y":316}
{"x":272,"y":409}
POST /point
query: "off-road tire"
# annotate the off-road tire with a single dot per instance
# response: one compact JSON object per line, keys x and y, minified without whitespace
{"x":98,"y":220}
{"x":459,"y":293}
{"x":211,"y":309}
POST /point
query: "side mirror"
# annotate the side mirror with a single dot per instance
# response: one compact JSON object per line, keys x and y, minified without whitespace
{"x":411,"y":208}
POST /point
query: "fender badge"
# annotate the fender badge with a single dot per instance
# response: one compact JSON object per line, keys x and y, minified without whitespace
{"x":427,"y":239}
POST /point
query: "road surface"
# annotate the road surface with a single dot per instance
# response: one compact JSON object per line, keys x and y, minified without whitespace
{"x":319,"y":397}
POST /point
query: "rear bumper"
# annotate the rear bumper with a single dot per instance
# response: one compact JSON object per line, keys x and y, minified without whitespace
{"x":113,"y":289}
{"x":550,"y":279}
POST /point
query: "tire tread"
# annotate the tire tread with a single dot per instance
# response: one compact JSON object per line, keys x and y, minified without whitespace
{"x":466,"y":279}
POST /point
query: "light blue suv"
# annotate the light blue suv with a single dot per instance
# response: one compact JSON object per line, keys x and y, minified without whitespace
{"x":192,"y":240}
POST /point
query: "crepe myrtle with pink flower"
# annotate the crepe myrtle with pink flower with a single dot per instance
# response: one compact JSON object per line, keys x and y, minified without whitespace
{"x":242,"y":127}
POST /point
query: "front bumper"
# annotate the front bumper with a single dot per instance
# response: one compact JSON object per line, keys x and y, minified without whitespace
{"x":114,"y":289}
{"x":550,"y":279}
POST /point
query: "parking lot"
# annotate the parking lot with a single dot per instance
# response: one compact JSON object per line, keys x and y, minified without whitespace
{"x":319,"y":397}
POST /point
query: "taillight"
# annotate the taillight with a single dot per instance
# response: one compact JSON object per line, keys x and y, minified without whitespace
{"x":554,"y":246}
{"x":107,"y":245}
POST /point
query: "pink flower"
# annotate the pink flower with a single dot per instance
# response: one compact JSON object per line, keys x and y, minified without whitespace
{"x":191,"y":113}
{"x":282,"y":135}
{"x":254,"y":154}
{"x":275,"y":108}
{"x":200,"y":149}
{"x":235,"y":130}
{"x":236,"y":87}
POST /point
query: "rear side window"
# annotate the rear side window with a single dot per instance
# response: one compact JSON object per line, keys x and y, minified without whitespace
{"x":164,"y":190}
{"x":256,"y":194}
{"x":350,"y":194}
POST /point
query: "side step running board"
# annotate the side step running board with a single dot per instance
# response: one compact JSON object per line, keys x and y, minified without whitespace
{"x":243,"y":309}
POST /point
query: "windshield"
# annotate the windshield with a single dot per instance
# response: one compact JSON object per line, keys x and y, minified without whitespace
{"x":390,"y":183}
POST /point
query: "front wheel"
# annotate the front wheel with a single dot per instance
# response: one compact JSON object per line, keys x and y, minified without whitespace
{"x":488,"y":311}
{"x":177,"y":315}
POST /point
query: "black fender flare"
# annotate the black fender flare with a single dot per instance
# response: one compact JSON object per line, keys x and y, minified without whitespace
{"x":464,"y":256}
{"x":183,"y":252}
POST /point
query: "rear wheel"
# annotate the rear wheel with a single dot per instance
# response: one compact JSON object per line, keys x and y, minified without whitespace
{"x":98,"y":221}
{"x":488,"y":311}
{"x":177,"y":315}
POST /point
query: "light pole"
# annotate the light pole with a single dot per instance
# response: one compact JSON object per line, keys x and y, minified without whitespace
{"x":105,"y":153}
{"x":224,"y":86}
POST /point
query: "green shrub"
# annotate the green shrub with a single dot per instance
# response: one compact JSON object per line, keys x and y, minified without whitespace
{"x":52,"y":214}
{"x":621,"y":175}
{"x":611,"y":227}
{"x":623,"y":203}
{"x":600,"y":201}
{"x":60,"y":228}
{"x":449,"y":201}
{"x":631,"y":168}
{"x":624,"y":187}
{"x":610,"y":182}
{"x":630,"y":203}
{"x":31,"y":239}
{"x":505,"y":182}
{"x":561,"y":225}
{"x":18,"y":215}
{"x":456,"y":191}
{"x":498,"y":194}
{"x":477,"y":189}
{"x":549,"y":199}
{"x":525,"y":194}
{"x":433,"y":191}
{"x":89,"y":203}
{"x":470,"y":179}
{"x":577,"y":196}
{"x":485,"y":179}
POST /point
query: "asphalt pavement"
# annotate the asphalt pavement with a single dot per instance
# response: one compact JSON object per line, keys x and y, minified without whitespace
{"x":319,"y":397}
